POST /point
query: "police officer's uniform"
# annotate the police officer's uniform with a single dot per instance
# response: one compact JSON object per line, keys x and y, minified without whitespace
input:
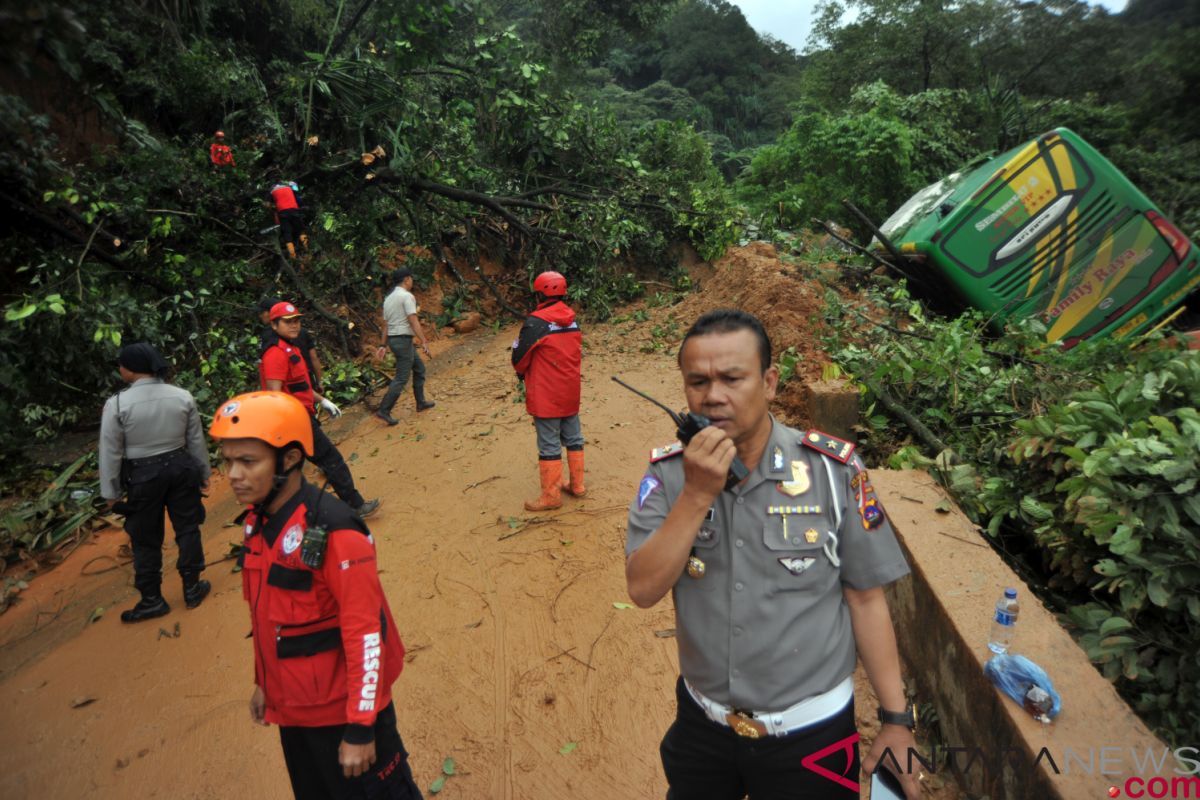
{"x":766,"y":649}
{"x":152,"y":452}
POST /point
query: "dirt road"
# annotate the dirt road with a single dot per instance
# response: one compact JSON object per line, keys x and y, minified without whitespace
{"x":515,"y":647}
{"x":519,"y":665}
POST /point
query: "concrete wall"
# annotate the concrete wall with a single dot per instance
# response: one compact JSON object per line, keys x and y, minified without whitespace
{"x":943,"y":615}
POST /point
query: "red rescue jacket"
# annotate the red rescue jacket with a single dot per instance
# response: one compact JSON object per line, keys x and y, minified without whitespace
{"x":284,"y":195}
{"x":285,"y":362}
{"x":221,"y":155}
{"x":326,"y":649}
{"x":547,"y":355}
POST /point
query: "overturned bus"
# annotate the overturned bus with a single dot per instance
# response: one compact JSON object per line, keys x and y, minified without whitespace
{"x":1051,"y":229}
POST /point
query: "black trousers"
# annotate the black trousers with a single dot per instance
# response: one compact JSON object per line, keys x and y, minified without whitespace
{"x":330,"y":461}
{"x":707,"y":761}
{"x":171,"y":482}
{"x":312,"y":762}
{"x":291,"y":226}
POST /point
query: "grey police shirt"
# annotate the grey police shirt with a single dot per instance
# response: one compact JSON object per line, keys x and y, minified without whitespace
{"x":767,"y":625}
{"x":396,"y":307}
{"x":148,"y":418}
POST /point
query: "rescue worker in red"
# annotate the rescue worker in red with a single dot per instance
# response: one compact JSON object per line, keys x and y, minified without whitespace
{"x":326,"y":648}
{"x":289,"y":216}
{"x":546,"y":356}
{"x":283,"y":369}
{"x":220,"y":154}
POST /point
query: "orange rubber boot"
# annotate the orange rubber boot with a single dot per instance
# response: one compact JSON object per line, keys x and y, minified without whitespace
{"x":551,"y":498}
{"x":575,"y":486}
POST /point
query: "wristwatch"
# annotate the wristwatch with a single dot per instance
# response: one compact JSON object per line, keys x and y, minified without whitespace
{"x":907,"y":717}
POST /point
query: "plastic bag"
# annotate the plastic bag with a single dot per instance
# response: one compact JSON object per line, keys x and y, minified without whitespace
{"x":1026,"y":683}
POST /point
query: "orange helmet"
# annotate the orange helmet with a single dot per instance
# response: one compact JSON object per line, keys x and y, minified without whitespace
{"x":550,"y":284}
{"x":275,"y":418}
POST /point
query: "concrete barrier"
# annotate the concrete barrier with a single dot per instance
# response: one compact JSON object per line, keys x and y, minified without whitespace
{"x":942,"y":614}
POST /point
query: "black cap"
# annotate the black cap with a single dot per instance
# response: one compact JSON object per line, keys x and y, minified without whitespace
{"x":142,"y":358}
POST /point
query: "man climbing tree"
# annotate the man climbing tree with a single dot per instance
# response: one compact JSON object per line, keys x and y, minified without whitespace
{"x":285,"y":195}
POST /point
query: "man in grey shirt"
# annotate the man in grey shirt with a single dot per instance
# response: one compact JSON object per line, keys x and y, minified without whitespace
{"x":402,"y":336}
{"x":152,"y":453}
{"x":777,"y":584}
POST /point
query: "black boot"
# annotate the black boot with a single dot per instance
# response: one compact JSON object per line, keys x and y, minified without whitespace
{"x":195,"y":593}
{"x":149,"y":607}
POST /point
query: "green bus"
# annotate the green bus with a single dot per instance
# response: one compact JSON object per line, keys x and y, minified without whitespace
{"x":1051,"y":229}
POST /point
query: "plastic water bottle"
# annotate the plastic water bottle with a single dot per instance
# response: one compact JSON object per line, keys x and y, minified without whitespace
{"x":1004,"y":623}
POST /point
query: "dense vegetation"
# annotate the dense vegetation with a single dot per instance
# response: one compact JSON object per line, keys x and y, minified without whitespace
{"x":592,"y":137}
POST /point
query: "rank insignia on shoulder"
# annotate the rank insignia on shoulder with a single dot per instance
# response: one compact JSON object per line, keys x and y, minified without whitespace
{"x":835,"y":448}
{"x":659,"y":453}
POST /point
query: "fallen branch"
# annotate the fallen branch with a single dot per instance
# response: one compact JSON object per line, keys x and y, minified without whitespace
{"x":915,"y":425}
{"x":852,"y":245}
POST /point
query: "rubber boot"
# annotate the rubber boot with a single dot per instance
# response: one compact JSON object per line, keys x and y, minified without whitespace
{"x":575,"y":486}
{"x":291,"y":248}
{"x":551,"y":475}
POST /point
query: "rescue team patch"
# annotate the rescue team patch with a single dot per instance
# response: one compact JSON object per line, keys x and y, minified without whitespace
{"x":835,"y":448}
{"x":647,"y":487}
{"x":797,"y":565}
{"x":659,"y":453}
{"x":291,"y":539}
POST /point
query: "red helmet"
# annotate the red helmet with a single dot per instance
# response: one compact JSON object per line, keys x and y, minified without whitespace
{"x":550,"y":284}
{"x":220,"y":134}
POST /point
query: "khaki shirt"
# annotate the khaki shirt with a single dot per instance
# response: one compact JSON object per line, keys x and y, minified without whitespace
{"x":396,"y":308}
{"x":767,"y":625}
{"x":148,"y":418}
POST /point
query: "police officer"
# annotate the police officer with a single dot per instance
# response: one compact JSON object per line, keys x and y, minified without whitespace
{"x":152,"y":452}
{"x":283,"y":369}
{"x":402,"y":336}
{"x":326,"y":649}
{"x":777,"y":585}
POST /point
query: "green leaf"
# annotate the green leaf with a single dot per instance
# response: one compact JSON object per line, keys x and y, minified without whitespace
{"x":438,"y":784}
{"x":1158,"y":591}
{"x":568,"y":748}
{"x":15,"y":314}
{"x":1031,"y":507}
{"x":448,"y":766}
{"x":1114,"y":625}
{"x":622,"y":605}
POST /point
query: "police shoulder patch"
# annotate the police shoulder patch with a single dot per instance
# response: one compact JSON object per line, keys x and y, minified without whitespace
{"x":660,"y":453}
{"x":837,"y":449}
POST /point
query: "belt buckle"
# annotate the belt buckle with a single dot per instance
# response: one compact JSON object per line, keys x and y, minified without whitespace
{"x":745,"y":725}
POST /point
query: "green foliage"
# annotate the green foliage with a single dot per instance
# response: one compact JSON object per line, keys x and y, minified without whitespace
{"x":1086,"y":461}
{"x":44,"y":521}
{"x":876,"y":152}
{"x":1107,"y":482}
